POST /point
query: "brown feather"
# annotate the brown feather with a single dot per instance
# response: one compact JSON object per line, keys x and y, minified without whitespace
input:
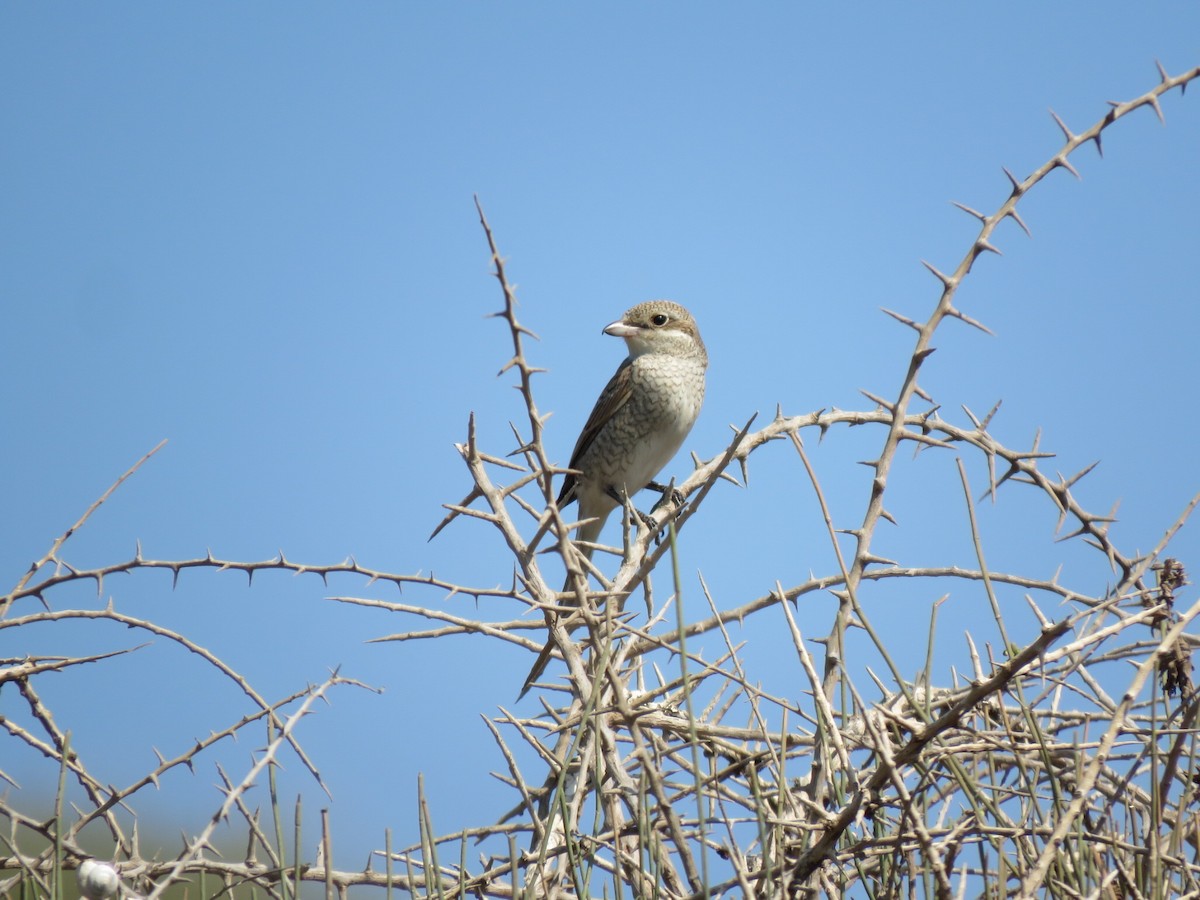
{"x":615,"y":395}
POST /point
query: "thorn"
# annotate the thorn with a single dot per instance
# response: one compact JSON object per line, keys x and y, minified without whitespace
{"x":1157,"y":109}
{"x":1081,"y":530}
{"x":984,"y":244}
{"x":887,"y":515}
{"x":1162,"y":73}
{"x":1017,"y":190}
{"x":1016,"y":217}
{"x":903,"y":320}
{"x":454,"y":514}
{"x":725,"y":476}
{"x":1070,"y":482}
{"x":1042,"y":620}
{"x":1063,"y":125}
{"x":971,"y":212}
{"x":1062,"y":162}
{"x":924,"y":355}
{"x":976,"y":662}
{"x":1013,"y":469}
{"x":946,"y":280}
{"x":890,"y":407}
{"x":963,"y":317}
{"x":987,"y":420}
{"x":1099,"y":146}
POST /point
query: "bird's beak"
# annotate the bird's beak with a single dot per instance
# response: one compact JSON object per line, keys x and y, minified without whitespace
{"x":621,"y":330}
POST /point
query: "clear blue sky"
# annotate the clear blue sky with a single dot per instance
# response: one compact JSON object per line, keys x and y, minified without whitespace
{"x":249,"y":230}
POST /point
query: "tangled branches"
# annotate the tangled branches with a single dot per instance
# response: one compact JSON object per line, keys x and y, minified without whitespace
{"x":1062,"y":764}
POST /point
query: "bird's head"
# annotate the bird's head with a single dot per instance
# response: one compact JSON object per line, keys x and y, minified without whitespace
{"x":659,"y":326}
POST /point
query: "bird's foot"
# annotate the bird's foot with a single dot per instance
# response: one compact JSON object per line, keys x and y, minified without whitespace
{"x":670,"y":496}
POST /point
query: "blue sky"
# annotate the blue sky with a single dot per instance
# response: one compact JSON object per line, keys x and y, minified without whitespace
{"x":250,"y":230}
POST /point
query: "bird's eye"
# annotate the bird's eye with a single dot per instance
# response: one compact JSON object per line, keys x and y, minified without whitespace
{"x":659,"y":320}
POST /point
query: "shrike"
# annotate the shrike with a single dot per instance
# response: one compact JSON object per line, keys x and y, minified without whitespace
{"x":639,"y":422}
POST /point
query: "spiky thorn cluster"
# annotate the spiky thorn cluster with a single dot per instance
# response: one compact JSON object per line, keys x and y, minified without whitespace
{"x":993,"y":677}
{"x":983,"y":243}
{"x":62,"y":839}
{"x":1092,"y":527}
{"x":1027,"y":766}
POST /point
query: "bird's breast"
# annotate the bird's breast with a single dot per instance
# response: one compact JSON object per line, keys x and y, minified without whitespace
{"x":651,"y":427}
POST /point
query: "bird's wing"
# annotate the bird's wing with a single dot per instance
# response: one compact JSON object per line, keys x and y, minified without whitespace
{"x":615,"y":395}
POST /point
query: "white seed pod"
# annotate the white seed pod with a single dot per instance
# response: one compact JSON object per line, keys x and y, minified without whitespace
{"x":97,"y":880}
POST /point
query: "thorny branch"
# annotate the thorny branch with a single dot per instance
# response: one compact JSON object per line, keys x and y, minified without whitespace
{"x":1041,"y":765}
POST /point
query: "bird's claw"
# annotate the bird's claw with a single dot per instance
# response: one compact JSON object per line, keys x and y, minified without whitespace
{"x":670,"y":495}
{"x":648,"y":520}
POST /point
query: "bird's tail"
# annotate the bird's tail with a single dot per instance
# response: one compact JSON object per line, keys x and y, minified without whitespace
{"x":589,"y":533}
{"x":535,"y":673}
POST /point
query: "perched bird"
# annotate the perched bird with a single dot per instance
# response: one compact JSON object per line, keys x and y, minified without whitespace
{"x":639,"y":422}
